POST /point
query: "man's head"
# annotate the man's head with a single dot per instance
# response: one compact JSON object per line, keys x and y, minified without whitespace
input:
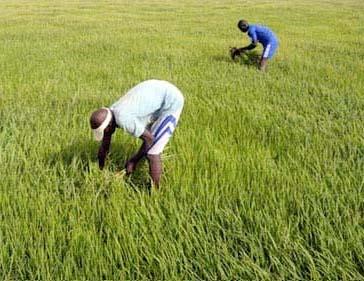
{"x":243,"y":25}
{"x":101,"y":121}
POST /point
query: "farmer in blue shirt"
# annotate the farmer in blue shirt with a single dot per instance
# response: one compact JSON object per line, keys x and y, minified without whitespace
{"x":149,"y":111}
{"x":258,"y":34}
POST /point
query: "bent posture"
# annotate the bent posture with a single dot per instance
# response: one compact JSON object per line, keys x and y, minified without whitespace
{"x":149,"y":111}
{"x":258,"y":34}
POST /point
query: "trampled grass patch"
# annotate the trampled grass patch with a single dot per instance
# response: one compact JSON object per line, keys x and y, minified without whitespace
{"x":263,"y":177}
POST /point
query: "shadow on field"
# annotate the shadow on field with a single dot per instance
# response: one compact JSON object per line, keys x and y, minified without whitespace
{"x":80,"y":155}
{"x":250,"y":59}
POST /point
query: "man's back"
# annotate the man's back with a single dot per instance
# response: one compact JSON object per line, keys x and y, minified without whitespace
{"x":143,"y":103}
{"x":262,"y":34}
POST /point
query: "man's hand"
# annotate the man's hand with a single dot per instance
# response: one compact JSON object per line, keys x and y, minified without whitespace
{"x":132,"y":163}
{"x":233,"y":52}
{"x":130,"y":166}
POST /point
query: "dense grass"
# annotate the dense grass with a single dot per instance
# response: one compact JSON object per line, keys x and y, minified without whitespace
{"x":263,"y":179}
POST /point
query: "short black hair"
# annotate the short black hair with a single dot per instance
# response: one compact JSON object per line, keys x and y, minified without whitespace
{"x":243,"y":25}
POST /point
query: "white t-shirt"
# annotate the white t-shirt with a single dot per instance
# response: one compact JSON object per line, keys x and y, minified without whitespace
{"x":144,"y":103}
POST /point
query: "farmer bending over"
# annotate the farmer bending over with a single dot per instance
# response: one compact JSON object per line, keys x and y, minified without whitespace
{"x":149,"y":111}
{"x":258,"y":34}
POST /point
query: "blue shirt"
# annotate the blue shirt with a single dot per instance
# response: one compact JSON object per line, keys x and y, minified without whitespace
{"x":144,"y":103}
{"x":262,"y":34}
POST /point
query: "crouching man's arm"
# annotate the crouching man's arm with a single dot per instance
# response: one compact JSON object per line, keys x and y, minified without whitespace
{"x":238,"y":51}
{"x":155,"y":162}
{"x":104,"y":150}
{"x":249,"y":47}
{"x":148,"y":139}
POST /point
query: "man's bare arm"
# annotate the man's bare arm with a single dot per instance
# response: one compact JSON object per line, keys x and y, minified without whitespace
{"x":148,"y":139}
{"x":249,"y":47}
{"x":103,"y":150}
{"x":238,"y":51}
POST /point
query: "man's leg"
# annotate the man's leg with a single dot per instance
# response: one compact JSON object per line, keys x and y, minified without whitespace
{"x":155,"y":168}
{"x":263,"y":64}
{"x":162,"y":131}
{"x":264,"y":59}
{"x":268,"y":53}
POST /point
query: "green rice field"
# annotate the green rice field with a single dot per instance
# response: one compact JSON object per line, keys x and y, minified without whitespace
{"x":263,"y":178}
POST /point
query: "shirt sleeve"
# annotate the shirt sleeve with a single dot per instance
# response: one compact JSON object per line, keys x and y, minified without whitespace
{"x":253,"y":35}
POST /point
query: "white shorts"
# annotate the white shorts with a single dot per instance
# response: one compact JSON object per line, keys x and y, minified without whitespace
{"x":162,"y":129}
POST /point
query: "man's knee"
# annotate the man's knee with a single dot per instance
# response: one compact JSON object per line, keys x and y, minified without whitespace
{"x":154,"y":157}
